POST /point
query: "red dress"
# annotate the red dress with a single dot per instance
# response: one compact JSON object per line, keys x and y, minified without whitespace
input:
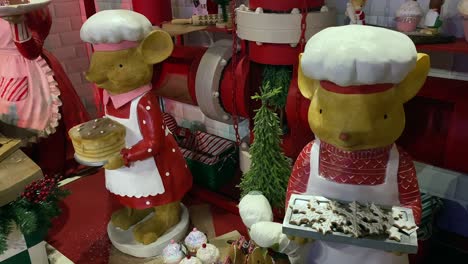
{"x":53,"y":154}
{"x":156,"y":144}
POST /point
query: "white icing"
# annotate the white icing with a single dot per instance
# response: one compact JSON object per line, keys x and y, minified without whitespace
{"x":209,"y":254}
{"x":254,"y":208}
{"x":358,"y":55}
{"x":173,"y":254}
{"x":463,"y":7}
{"x":409,"y":8}
{"x":115,"y":26}
{"x":195,"y":239}
{"x":192,"y":260}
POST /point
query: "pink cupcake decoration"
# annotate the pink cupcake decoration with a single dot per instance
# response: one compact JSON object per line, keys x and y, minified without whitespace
{"x":408,"y":16}
{"x":195,"y":240}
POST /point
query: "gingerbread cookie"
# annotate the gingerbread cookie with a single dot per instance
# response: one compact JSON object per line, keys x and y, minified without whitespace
{"x":394,"y":234}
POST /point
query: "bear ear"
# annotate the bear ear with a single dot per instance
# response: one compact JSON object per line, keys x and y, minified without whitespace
{"x":156,"y":47}
{"x":414,"y":81}
{"x":307,"y":86}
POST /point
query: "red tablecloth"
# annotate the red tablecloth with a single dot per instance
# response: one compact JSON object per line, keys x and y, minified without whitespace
{"x":80,"y":232}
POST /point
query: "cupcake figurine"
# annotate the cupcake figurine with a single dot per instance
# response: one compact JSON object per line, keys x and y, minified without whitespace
{"x":208,"y":254}
{"x":408,"y":16}
{"x":463,"y":9}
{"x":432,"y":20}
{"x":172,"y":253}
{"x":190,"y":260}
{"x":195,"y":240}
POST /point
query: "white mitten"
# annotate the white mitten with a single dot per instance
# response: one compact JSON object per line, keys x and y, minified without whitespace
{"x":254,"y":208}
{"x":270,"y":235}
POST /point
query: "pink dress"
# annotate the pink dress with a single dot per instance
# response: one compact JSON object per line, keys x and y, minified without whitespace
{"x":28,"y":92}
{"x":36,"y":94}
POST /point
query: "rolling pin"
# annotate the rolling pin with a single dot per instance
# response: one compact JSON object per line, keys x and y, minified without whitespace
{"x":197,"y":20}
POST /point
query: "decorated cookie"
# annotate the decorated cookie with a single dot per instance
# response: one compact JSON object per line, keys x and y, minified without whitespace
{"x":300,"y":209}
{"x":354,"y":219}
{"x":394,"y":234}
{"x":172,"y":253}
{"x":191,"y":260}
{"x":208,"y":254}
{"x":195,"y":240}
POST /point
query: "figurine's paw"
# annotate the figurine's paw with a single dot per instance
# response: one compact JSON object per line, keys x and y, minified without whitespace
{"x":18,"y":19}
{"x":142,"y":233}
{"x":114,"y":162}
{"x":300,"y":240}
{"x":126,"y":217}
{"x":164,"y":218}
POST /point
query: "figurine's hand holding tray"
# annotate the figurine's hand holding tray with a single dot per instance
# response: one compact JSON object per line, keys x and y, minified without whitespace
{"x":365,"y":225}
{"x":19,"y":7}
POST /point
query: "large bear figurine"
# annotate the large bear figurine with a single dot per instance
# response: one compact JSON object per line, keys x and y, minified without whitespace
{"x":357,"y":78}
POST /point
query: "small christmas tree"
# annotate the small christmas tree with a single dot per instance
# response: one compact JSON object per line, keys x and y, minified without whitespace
{"x":270,"y":169}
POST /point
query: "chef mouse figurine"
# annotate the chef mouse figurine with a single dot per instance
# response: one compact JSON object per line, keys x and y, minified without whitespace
{"x":150,"y":174}
{"x":354,"y":10}
{"x":357,"y":78}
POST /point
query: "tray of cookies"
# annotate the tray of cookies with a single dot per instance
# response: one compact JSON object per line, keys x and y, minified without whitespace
{"x":20,"y":7}
{"x":360,"y":224}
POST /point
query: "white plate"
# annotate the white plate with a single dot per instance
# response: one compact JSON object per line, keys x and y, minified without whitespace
{"x":13,"y":10}
{"x":89,"y":163}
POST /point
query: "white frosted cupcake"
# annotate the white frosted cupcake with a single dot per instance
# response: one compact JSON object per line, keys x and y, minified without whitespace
{"x":408,"y":16}
{"x":195,"y":240}
{"x":172,"y":253}
{"x":190,"y":260}
{"x":208,"y":254}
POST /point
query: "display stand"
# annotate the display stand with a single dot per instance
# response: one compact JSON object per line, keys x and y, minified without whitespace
{"x":124,"y":241}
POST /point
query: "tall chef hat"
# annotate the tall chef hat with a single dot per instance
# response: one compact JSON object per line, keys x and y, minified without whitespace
{"x":358,"y":59}
{"x":112,"y":30}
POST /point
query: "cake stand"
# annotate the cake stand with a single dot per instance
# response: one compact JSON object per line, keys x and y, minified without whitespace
{"x":14,"y":10}
{"x":123,"y":239}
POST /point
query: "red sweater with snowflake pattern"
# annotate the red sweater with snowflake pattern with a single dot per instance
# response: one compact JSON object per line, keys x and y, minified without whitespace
{"x":365,"y":167}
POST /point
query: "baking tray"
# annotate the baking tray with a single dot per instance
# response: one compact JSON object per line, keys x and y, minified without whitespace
{"x":408,"y":243}
{"x":14,"y":10}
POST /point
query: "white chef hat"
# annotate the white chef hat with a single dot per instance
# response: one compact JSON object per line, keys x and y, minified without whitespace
{"x":357,"y":55}
{"x":115,"y":29}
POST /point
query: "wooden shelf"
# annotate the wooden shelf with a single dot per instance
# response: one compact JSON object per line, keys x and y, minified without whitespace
{"x":460,"y":46}
{"x":176,"y":30}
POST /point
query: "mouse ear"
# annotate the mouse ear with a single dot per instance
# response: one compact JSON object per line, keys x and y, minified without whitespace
{"x":307,"y":86}
{"x":413,"y":82}
{"x":156,"y":47}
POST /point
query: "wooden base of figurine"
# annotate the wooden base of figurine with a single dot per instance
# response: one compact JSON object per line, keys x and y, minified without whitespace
{"x":124,"y":240}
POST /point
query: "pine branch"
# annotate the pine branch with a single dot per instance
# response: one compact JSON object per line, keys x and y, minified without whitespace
{"x":28,"y":213}
{"x":270,"y":169}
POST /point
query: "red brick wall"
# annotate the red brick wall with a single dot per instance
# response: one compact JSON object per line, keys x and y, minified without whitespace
{"x":65,"y":43}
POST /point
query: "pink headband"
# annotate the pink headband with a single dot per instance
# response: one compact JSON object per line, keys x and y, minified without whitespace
{"x":116,"y":46}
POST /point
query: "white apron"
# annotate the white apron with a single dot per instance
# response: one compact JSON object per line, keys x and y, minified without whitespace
{"x":142,"y":178}
{"x":384,"y":194}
